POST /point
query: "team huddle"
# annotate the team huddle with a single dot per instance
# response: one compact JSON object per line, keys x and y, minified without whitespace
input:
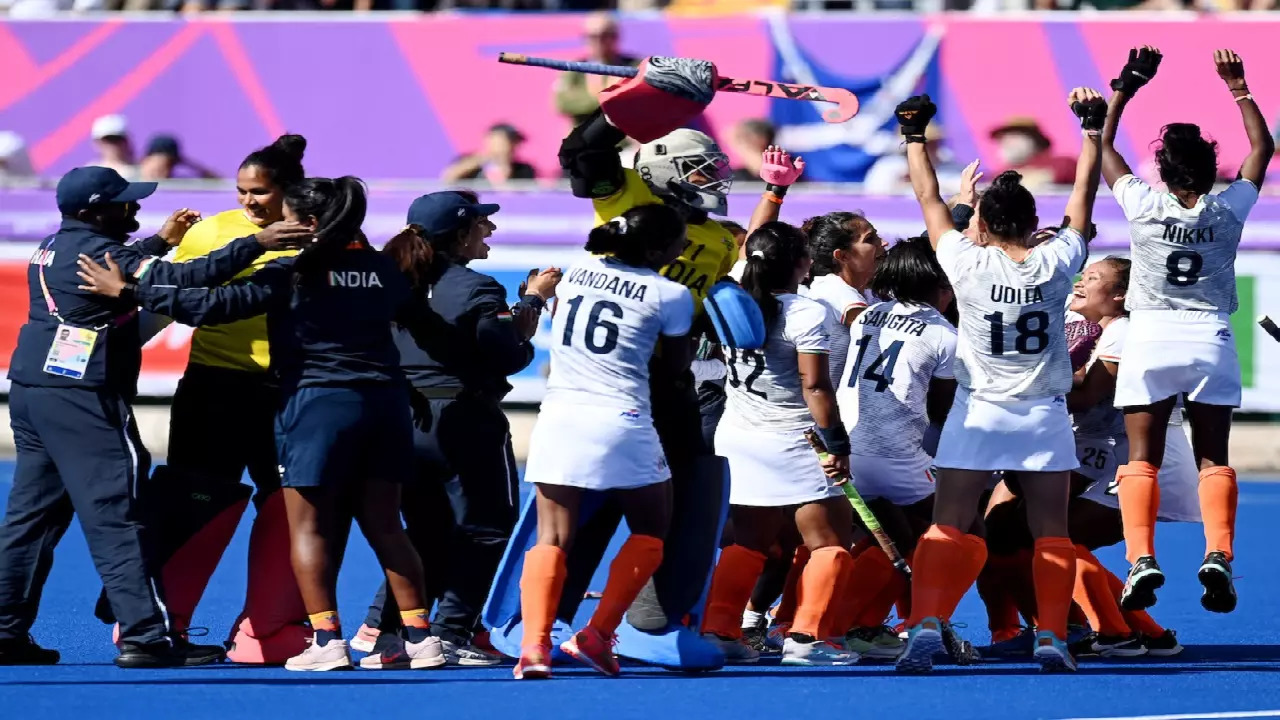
{"x":806,"y":428}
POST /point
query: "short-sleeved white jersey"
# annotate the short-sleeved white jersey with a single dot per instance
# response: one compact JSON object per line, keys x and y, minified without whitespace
{"x":1183,"y":258}
{"x":607,"y":322}
{"x":839,"y":298}
{"x":1013,"y":343}
{"x":1103,"y":420}
{"x":897,"y":350}
{"x":764,"y":389}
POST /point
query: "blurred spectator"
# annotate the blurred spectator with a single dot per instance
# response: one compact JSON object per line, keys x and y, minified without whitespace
{"x":1024,"y":147}
{"x":163,"y":161}
{"x":115,"y":151}
{"x":14,"y":161}
{"x":575,"y":94}
{"x":888,"y":176}
{"x":19,"y":9}
{"x":495,"y":161}
{"x":750,"y":138}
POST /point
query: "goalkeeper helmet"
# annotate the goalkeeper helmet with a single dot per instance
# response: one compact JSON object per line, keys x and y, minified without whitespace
{"x":687,"y":166}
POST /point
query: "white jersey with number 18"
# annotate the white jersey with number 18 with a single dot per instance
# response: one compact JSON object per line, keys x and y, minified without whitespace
{"x":607,"y":322}
{"x":1013,"y":343}
{"x":1183,"y":258}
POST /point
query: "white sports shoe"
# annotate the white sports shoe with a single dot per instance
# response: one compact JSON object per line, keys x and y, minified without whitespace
{"x":426,"y":654}
{"x":333,"y":655}
{"x":816,"y":653}
{"x":735,"y":652}
{"x":364,"y":639}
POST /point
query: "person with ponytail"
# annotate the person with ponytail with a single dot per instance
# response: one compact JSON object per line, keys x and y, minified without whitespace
{"x":595,"y":431}
{"x":343,"y":436}
{"x":776,"y":395}
{"x":1012,"y":371}
{"x":461,"y":507}
{"x":220,"y":424}
{"x":1180,"y":344}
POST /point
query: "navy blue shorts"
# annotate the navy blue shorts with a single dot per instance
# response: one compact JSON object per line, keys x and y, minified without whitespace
{"x":344,"y":435}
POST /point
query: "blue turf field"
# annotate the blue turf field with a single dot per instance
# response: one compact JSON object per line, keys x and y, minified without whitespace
{"x":1230,"y":665}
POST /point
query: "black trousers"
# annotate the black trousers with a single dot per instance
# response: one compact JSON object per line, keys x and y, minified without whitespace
{"x":222,"y":423}
{"x":79,"y":453}
{"x":460,"y":509}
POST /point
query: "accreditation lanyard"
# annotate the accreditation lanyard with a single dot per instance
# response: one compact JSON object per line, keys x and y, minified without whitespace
{"x":53,"y":306}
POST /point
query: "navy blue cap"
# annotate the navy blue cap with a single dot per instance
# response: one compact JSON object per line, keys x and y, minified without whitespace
{"x":441,"y":212}
{"x":85,"y":186}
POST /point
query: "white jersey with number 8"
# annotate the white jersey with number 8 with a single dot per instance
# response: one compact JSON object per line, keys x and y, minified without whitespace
{"x":607,"y":322}
{"x":1183,"y":258}
{"x":1012,"y":343}
{"x":763,"y":388}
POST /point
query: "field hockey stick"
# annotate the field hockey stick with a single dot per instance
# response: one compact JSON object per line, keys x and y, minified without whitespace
{"x":846,"y":103}
{"x":864,"y":513}
{"x":1269,"y":325}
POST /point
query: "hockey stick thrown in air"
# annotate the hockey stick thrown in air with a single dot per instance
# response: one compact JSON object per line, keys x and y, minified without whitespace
{"x":846,"y":103}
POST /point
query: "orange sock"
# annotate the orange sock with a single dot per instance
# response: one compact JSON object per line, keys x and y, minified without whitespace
{"x":944,"y":558}
{"x":731,"y":585}
{"x":819,"y":582}
{"x":878,"y":588}
{"x":541,"y":582}
{"x":1138,"y":621}
{"x":1093,"y":593}
{"x":1054,"y":573}
{"x":327,"y":620}
{"x":1218,"y":497}
{"x":786,"y":610}
{"x":1139,"y":503}
{"x":975,"y":558}
{"x":416,"y":618}
{"x":839,"y":617}
{"x":635,"y":563}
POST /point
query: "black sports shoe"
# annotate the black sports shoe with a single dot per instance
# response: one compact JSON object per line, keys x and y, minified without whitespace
{"x":755,"y":638}
{"x":1165,"y":645}
{"x":1083,"y":647}
{"x":25,"y":651}
{"x":1215,"y":575}
{"x":180,"y":653}
{"x":1140,"y":588}
{"x":959,"y":650}
{"x":1118,"y":646}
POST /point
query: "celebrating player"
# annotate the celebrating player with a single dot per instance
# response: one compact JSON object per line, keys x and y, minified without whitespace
{"x":774,"y":396}
{"x":900,"y":380}
{"x":343,"y":432}
{"x":1101,"y":445}
{"x":1012,"y":370}
{"x":845,"y":249}
{"x":595,"y":430}
{"x":1183,"y":244}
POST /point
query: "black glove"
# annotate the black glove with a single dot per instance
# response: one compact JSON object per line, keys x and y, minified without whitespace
{"x":1092,"y":114}
{"x":1138,"y":71}
{"x":914,"y":114}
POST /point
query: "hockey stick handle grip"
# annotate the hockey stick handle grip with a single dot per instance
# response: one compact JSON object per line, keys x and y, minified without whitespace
{"x":1270,"y":326}
{"x":589,"y":68}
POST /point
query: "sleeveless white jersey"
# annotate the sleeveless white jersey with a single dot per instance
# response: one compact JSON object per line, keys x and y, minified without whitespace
{"x":763,"y":390}
{"x":1103,"y":420}
{"x":898,"y":349}
{"x":607,"y":322}
{"x":1013,"y":343}
{"x":839,"y":298}
{"x":1183,"y":258}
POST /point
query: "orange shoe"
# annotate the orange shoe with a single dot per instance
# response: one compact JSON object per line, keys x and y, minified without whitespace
{"x":534,"y":663}
{"x":588,"y":646}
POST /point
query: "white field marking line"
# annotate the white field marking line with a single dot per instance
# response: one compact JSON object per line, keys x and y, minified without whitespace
{"x":1191,"y":715}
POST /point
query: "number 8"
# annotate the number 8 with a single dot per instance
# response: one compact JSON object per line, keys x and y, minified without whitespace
{"x":1178,"y":276}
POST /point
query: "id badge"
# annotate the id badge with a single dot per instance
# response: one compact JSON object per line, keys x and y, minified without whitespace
{"x":69,"y":354}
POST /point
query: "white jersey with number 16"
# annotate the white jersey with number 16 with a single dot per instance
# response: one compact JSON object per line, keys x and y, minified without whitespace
{"x":1013,"y":343}
{"x":1183,"y":258}
{"x":607,"y":322}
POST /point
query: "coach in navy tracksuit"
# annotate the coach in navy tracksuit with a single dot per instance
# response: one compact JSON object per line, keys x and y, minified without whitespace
{"x":73,"y":376}
{"x":464,"y":503}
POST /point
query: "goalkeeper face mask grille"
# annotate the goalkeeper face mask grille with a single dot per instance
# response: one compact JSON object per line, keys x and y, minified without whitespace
{"x":690,"y":167}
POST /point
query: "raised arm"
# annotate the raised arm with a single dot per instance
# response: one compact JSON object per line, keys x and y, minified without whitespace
{"x":779,"y":172}
{"x":1261,"y":146}
{"x":1138,"y":71}
{"x":219,"y":266}
{"x":1088,"y":106}
{"x":913,"y":116}
{"x":589,"y":156}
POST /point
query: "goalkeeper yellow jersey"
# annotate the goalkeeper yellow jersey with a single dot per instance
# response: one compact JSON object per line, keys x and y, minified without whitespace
{"x":240,"y":345}
{"x":709,"y":252}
